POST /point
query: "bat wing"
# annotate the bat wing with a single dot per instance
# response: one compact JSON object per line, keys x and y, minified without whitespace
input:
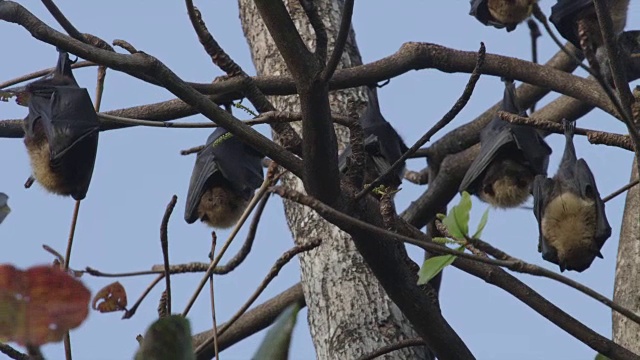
{"x":588,"y":189}
{"x":67,"y":115}
{"x":563,"y":18}
{"x":240,"y":166}
{"x":204,"y":168}
{"x":542,"y":188}
{"x":535,"y":150}
{"x":494,"y":138}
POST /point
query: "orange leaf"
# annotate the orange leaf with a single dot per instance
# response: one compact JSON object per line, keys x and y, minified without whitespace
{"x":39,"y":305}
{"x":114,"y":298}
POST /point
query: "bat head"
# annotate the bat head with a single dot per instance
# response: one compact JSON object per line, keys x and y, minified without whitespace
{"x":506,"y":183}
{"x":568,"y":226}
{"x":501,"y":13}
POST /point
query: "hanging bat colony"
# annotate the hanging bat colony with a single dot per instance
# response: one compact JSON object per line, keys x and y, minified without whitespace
{"x":61,"y":136}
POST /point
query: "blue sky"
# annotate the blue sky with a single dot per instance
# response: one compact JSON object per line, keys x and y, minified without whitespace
{"x":139,"y":169}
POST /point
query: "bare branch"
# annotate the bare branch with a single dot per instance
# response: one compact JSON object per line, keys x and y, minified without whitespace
{"x":275,"y":269}
{"x":341,"y":41}
{"x":393,"y":347}
{"x":164,"y":244}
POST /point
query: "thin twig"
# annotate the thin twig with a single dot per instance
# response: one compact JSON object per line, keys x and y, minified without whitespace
{"x":535,"y":33}
{"x":254,"y":201}
{"x":132,"y":310}
{"x":164,"y":244}
{"x":275,"y":269}
{"x":62,"y":20}
{"x":213,"y":301}
{"x":12,"y":353}
{"x":594,"y":136}
{"x":72,"y":231}
{"x":193,"y":150}
{"x":341,"y":41}
{"x":341,"y":219}
{"x":393,"y":347}
{"x":446,"y":119}
{"x":43,"y":72}
{"x":621,"y":190}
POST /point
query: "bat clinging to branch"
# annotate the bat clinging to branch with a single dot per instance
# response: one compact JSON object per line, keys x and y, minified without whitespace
{"x":510,"y":157}
{"x":224,"y":178}
{"x":61,"y":131}
{"x":382,"y":144}
{"x":502,"y":13}
{"x":571,"y":218}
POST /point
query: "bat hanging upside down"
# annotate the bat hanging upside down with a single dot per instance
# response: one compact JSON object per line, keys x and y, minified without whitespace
{"x":571,"y":218}
{"x":383,"y":145}
{"x":224,"y":178}
{"x":510,"y":157}
{"x":61,"y":131}
{"x":502,"y":13}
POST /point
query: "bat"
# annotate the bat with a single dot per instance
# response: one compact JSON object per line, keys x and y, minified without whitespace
{"x":572,"y":223}
{"x":510,"y":157}
{"x":629,"y":53}
{"x":61,"y":132}
{"x":565,"y":15}
{"x":226,"y":174}
{"x":502,"y":13}
{"x":382,"y":144}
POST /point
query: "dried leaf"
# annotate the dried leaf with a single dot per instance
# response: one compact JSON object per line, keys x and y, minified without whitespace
{"x":39,"y":305}
{"x":113,"y":296}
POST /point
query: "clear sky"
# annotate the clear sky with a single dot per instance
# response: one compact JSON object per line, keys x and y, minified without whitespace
{"x":139,"y":169}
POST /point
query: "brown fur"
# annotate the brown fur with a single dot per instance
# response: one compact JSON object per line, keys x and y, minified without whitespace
{"x":39,"y":154}
{"x":68,"y":176}
{"x":507,"y":192}
{"x":569,"y":225}
{"x":510,"y":11}
{"x":220,"y":207}
{"x":506,"y":183}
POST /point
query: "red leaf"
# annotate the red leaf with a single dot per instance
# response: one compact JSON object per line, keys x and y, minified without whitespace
{"x":39,"y":305}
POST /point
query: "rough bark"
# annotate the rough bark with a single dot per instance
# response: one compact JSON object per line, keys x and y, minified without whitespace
{"x":349,"y":312}
{"x":627,"y":284}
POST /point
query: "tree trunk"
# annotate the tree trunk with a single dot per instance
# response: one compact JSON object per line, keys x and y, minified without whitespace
{"x":627,"y":287}
{"x":349,"y":312}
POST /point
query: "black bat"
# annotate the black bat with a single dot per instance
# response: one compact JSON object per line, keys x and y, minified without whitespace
{"x":226,"y":174}
{"x":572,"y":222}
{"x":382,"y":144}
{"x":502,"y":13}
{"x":61,"y":131}
{"x":565,"y":15}
{"x":629,"y":53}
{"x":510,"y":157}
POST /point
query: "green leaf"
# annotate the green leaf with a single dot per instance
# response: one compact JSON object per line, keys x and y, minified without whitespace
{"x":457,"y":222}
{"x":432,"y":266}
{"x":601,"y":357}
{"x":441,"y":216}
{"x":482,"y":224}
{"x":275,"y":345}
{"x":168,"y":338}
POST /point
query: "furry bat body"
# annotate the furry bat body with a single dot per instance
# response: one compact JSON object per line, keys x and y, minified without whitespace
{"x":61,"y":132}
{"x":510,"y":157}
{"x":572,"y":222}
{"x":501,"y":13}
